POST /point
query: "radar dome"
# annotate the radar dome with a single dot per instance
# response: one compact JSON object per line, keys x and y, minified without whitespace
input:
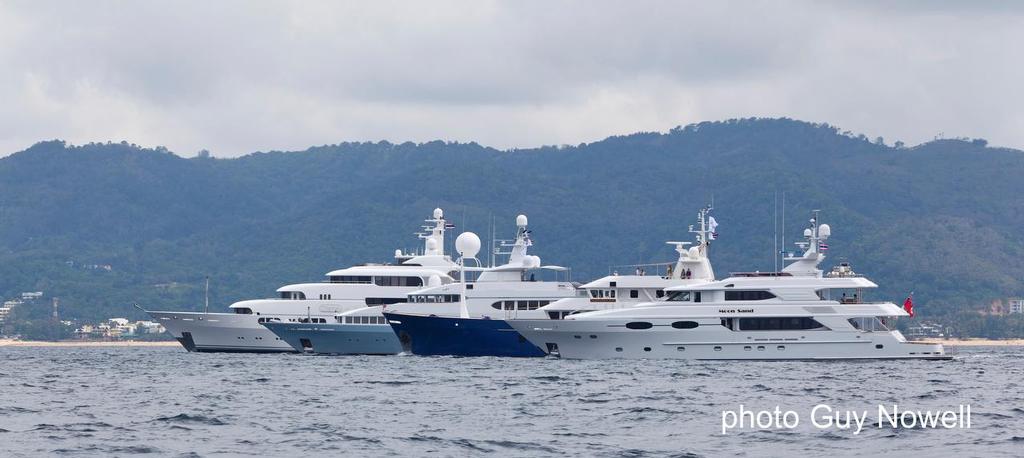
{"x":694,"y":252}
{"x":438,"y":213}
{"x":467,"y":244}
{"x":431,"y":244}
{"x":824,"y":231}
{"x":521,"y":220}
{"x":433,"y":280}
{"x":398,"y":253}
{"x":808,"y":233}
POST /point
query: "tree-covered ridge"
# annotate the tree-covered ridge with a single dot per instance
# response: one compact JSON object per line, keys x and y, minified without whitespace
{"x":943,"y":219}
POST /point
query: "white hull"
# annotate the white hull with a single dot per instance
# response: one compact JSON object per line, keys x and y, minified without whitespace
{"x":609,"y":339}
{"x":230,"y":332}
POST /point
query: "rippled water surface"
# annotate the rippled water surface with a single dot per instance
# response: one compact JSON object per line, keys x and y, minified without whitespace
{"x":164,"y":401}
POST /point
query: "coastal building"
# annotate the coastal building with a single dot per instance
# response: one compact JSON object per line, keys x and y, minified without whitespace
{"x":1015,"y":305}
{"x":31,"y":295}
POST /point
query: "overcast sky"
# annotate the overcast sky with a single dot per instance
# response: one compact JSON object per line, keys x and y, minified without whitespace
{"x":237,"y":77}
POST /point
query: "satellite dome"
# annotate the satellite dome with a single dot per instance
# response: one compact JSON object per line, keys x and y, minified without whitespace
{"x":467,"y":244}
{"x":431,"y":244}
{"x":808,"y":233}
{"x":521,"y":220}
{"x":433,"y":280}
{"x":824,"y":231}
{"x":438,"y":213}
{"x":398,"y":253}
{"x":693,"y":252}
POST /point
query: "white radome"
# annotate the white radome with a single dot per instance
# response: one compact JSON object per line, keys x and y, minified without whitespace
{"x":824,"y":231}
{"x":438,"y":213}
{"x":521,"y":220}
{"x":467,"y":244}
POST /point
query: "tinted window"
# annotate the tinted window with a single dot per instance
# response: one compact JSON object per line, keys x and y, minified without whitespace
{"x":349,"y":279}
{"x":684,"y":324}
{"x":639,"y":325}
{"x":634,"y":293}
{"x":748,"y":295}
{"x":679,"y":296}
{"x":779,"y":324}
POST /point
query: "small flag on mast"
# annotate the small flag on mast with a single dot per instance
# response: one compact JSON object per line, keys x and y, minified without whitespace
{"x":908,"y":304}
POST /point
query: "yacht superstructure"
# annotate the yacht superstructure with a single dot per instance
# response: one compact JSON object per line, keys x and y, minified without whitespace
{"x":314,"y":303}
{"x":470,"y":318}
{"x":798,"y":313}
{"x":693,"y":266}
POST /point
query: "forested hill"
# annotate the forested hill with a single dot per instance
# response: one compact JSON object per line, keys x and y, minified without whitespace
{"x":944,"y":219}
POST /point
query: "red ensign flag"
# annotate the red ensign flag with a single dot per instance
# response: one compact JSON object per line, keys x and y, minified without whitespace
{"x":908,"y":305}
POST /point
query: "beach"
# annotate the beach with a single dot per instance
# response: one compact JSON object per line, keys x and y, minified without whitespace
{"x":976,"y":342}
{"x":86,"y":343}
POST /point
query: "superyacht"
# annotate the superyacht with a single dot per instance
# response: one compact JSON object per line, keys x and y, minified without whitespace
{"x":471,"y":318}
{"x":798,"y":313}
{"x":243,"y":330}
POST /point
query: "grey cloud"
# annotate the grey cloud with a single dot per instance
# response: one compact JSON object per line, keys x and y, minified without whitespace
{"x":236,"y":77}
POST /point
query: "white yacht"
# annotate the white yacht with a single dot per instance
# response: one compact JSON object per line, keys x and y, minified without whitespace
{"x":470,"y":318}
{"x":242,"y":330}
{"x":618,"y":291}
{"x":798,"y":313}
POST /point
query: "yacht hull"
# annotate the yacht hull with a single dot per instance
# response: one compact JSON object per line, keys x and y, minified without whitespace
{"x":594,"y":339}
{"x":337,"y":338}
{"x":220,"y":332}
{"x":434,"y":335}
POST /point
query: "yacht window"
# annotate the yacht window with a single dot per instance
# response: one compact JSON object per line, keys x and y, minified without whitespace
{"x":521,"y":305}
{"x":510,"y":305}
{"x":350,"y":279}
{"x":596,"y":293}
{"x":680,"y":296}
{"x":397,"y":281}
{"x":748,"y":295}
{"x":660,"y":293}
{"x":384,"y":300}
{"x":293,"y":295}
{"x":611,"y":293}
{"x":868,"y":324}
{"x":243,"y":311}
{"x":533,"y":305}
{"x":779,"y":324}
{"x":634,"y":293}
{"x":639,"y":325}
{"x":685,"y":324}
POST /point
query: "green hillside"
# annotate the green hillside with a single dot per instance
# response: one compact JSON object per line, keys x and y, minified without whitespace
{"x":944,"y":219}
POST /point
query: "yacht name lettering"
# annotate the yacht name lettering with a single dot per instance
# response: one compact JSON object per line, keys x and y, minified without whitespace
{"x":826,"y":417}
{"x":735,"y":310}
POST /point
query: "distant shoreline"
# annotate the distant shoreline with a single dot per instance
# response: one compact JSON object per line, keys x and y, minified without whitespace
{"x":87,"y":343}
{"x":975,"y":342}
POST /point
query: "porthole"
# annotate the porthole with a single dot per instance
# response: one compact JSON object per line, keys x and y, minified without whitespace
{"x":618,"y":349}
{"x":718,"y":348}
{"x":639,"y":325}
{"x":593,"y":336}
{"x":781,"y":347}
{"x":879,"y":346}
{"x":760,"y":348}
{"x":647,"y":348}
{"x":685,"y":324}
{"x":747,"y":348}
{"x":680,"y":348}
{"x":577,"y":337}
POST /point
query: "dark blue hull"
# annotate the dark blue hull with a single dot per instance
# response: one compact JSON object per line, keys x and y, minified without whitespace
{"x":434,"y":335}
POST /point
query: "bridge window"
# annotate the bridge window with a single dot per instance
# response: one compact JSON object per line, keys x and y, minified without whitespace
{"x":748,"y":295}
{"x":295,"y":295}
{"x":434,"y":298}
{"x":350,"y":279}
{"x":779,"y":324}
{"x":243,"y":311}
{"x":679,"y":296}
{"x":397,"y":281}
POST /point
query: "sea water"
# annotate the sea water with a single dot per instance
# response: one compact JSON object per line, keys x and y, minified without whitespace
{"x":164,"y":401}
